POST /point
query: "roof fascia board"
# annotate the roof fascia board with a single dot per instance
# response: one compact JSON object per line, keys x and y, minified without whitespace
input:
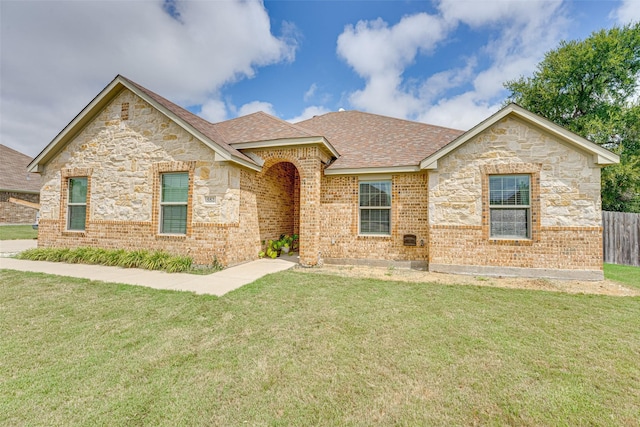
{"x":366,"y":171}
{"x":283,"y":142}
{"x":601,"y":156}
{"x":245,"y":163}
{"x":101,"y":100}
{"x":78,"y":123}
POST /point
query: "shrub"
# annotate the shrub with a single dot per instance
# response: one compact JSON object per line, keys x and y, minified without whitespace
{"x":157,"y":260}
{"x":177,"y":264}
{"x":133,"y":259}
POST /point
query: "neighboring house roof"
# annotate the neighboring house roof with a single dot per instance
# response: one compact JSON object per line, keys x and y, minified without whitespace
{"x":601,"y":156}
{"x":13,"y":172}
{"x":370,"y":142}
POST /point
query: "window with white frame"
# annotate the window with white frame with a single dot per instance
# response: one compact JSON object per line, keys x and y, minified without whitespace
{"x":375,"y":207}
{"x":510,"y":206}
{"x":77,"y":204}
{"x":173,"y":203}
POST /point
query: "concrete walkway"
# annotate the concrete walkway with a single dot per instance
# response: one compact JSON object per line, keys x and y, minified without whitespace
{"x":214,"y":284}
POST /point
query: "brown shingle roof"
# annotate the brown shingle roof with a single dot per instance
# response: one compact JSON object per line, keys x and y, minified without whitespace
{"x":13,"y":172}
{"x":259,"y":126}
{"x":367,"y":140}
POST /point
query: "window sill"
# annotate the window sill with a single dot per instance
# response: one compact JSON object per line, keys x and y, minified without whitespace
{"x":511,"y":241}
{"x":76,"y":233}
{"x":374,"y":236}
{"x":171,"y":236}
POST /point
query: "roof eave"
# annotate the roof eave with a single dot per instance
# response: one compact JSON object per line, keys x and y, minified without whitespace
{"x":77,"y":124}
{"x":372,"y":170}
{"x":284,"y":142}
{"x":601,"y":156}
{"x":217,"y":149}
{"x":100,"y":101}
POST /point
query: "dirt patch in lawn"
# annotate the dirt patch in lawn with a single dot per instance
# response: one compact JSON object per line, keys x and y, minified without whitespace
{"x":604,"y":287}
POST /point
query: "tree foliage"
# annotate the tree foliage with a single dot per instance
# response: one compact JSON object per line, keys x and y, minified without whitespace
{"x":591,"y":87}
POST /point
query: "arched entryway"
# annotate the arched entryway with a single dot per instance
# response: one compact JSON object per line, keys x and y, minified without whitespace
{"x":278,"y":201}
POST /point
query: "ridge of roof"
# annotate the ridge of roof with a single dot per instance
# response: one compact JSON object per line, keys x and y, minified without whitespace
{"x":370,"y":141}
{"x":260,"y":126}
{"x":381,"y":116}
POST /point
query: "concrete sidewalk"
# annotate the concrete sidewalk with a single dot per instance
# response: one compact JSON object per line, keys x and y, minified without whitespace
{"x":214,"y":284}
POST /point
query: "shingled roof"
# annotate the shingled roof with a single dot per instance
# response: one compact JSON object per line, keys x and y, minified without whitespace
{"x":260,"y":126}
{"x":367,"y":140}
{"x":13,"y":172}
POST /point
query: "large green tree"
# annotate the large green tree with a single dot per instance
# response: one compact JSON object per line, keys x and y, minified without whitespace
{"x":591,"y":87}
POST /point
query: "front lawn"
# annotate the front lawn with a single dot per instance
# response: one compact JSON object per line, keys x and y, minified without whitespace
{"x":626,"y":274}
{"x":306,"y":349}
{"x":15,"y":232}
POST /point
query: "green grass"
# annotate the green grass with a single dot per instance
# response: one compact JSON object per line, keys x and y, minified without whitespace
{"x":15,"y":232}
{"x":626,"y":274}
{"x":304,"y":349}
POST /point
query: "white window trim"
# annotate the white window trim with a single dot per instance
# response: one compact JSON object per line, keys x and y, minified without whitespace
{"x":527,"y":207}
{"x":382,"y":178}
{"x":70,"y":204}
{"x":163,"y":204}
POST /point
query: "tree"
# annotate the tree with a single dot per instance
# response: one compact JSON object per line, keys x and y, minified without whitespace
{"x":591,"y":87}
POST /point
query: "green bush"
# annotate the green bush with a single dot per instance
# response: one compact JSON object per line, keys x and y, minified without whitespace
{"x":157,"y":260}
{"x":133,"y":259}
{"x":178,"y":264}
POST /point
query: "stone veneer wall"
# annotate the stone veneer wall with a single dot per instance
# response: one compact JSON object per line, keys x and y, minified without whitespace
{"x":566,"y":213}
{"x":339,"y":239}
{"x":12,"y":213}
{"x":123,"y":150}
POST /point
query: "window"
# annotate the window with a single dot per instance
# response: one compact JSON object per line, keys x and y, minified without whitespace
{"x":173,"y":203}
{"x":510,"y":206}
{"x":77,"y":205}
{"x":375,"y":207}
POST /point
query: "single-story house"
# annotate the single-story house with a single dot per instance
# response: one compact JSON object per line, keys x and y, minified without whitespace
{"x":17,"y":184}
{"x":515,"y":195}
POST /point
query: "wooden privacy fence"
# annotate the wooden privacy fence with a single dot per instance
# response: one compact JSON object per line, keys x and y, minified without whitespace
{"x":621,"y":238}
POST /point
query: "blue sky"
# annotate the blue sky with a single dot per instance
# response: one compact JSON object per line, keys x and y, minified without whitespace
{"x":441,"y":62}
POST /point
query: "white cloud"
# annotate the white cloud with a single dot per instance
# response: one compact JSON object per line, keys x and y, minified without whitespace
{"x":57,"y":55}
{"x":255,"y":106}
{"x":380,"y":53}
{"x":310,"y":92}
{"x":519,"y":34}
{"x":214,"y":111}
{"x":308,"y":113}
{"x":459,"y":112}
{"x":628,"y":12}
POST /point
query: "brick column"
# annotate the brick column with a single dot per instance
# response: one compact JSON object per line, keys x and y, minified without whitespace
{"x":310,"y":181}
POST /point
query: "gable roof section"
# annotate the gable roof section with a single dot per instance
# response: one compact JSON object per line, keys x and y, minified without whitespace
{"x":601,"y":156}
{"x":370,"y":143}
{"x":260,"y":130}
{"x":198,"y":127}
{"x":13,"y":172}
